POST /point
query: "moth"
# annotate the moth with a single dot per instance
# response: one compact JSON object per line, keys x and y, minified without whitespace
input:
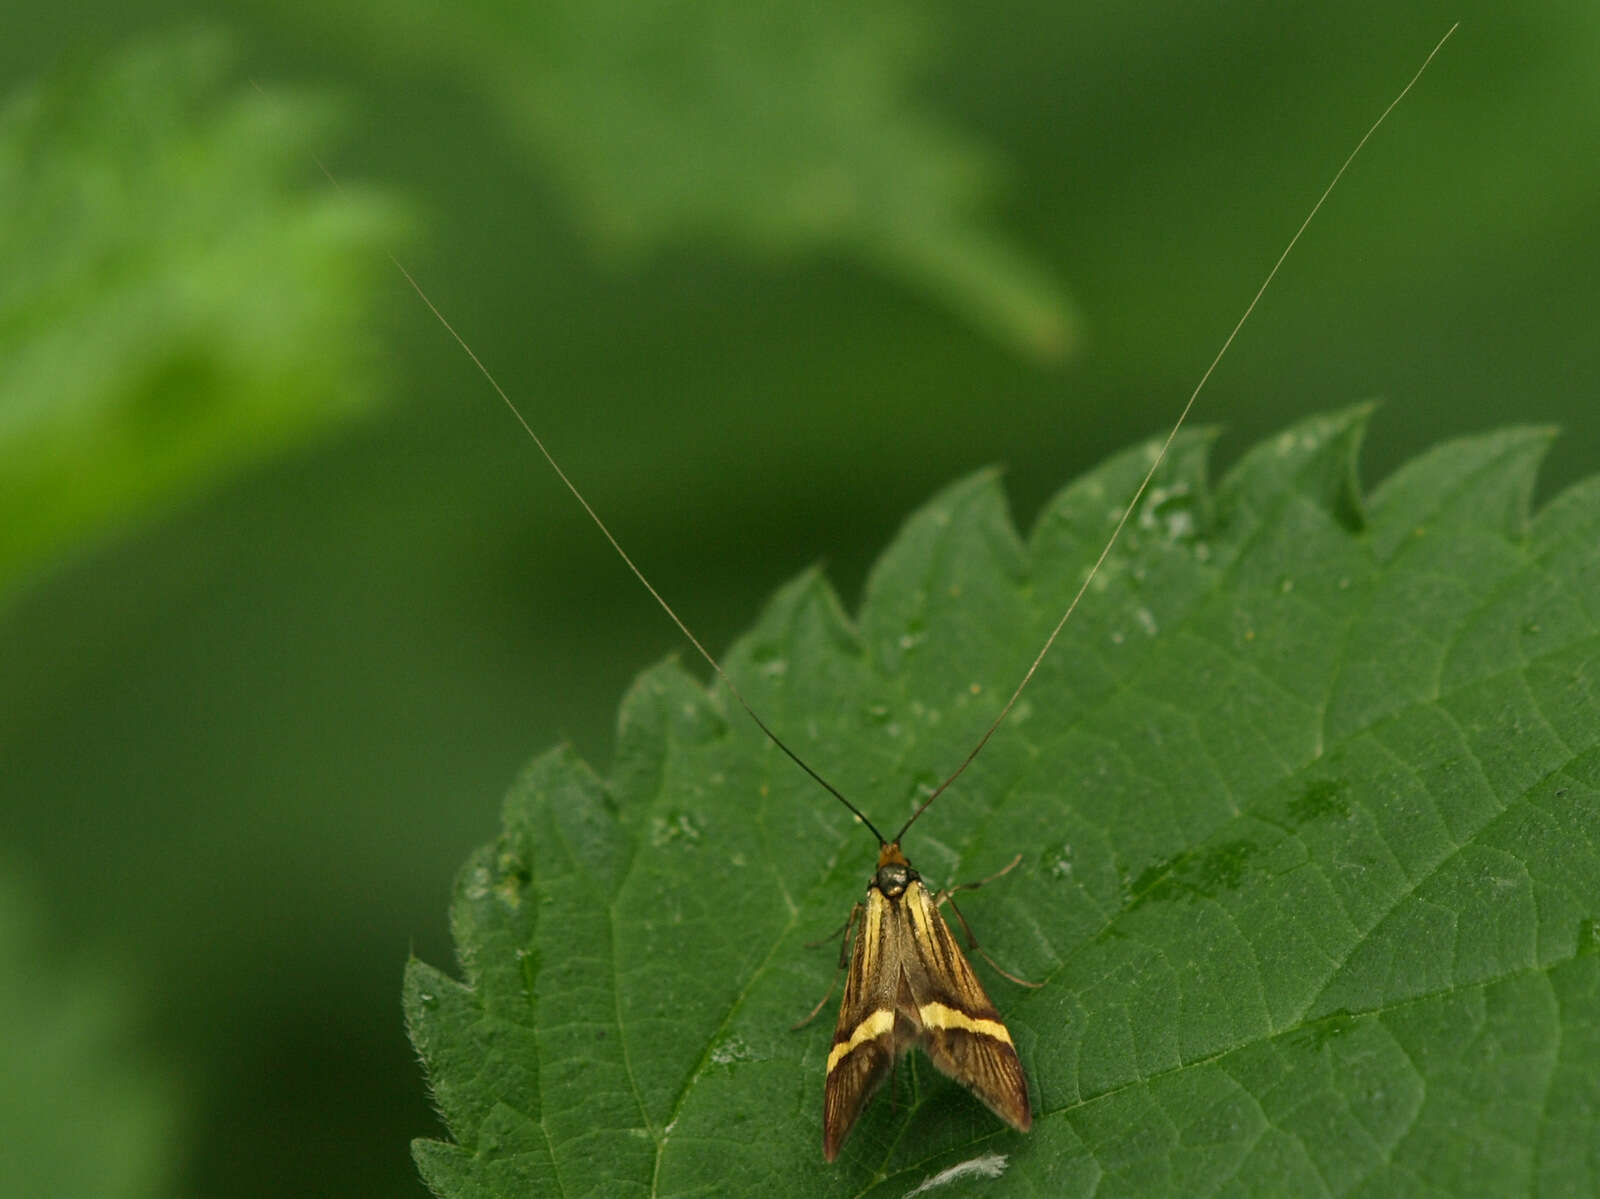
{"x":908,"y":982}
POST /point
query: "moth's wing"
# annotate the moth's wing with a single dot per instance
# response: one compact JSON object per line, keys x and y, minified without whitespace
{"x":864,"y":1041}
{"x":960,"y":1029}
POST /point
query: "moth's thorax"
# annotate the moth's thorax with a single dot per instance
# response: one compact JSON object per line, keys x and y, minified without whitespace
{"x":894,"y":873}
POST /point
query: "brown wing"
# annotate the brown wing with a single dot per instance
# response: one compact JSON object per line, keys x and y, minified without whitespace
{"x":865,"y":1040}
{"x":960,"y":1030}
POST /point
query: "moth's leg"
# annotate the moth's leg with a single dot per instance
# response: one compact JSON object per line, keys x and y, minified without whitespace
{"x":947,"y":896}
{"x":826,"y":937}
{"x":1000,"y":873}
{"x":844,"y":961}
{"x":972,"y":944}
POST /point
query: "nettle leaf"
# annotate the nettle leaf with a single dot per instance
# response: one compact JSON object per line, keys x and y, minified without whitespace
{"x":782,"y":128}
{"x":174,"y":303}
{"x":1307,"y":802}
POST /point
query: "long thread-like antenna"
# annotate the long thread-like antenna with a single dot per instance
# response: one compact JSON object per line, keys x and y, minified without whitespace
{"x":623,"y":554}
{"x":1105,"y":553}
{"x":1166,"y":445}
{"x":601,"y":525}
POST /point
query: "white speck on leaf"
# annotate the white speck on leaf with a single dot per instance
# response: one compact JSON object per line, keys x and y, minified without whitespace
{"x":1062,"y":866}
{"x":676,"y":826}
{"x":732,"y":1050}
{"x":1178,"y":523}
{"x":1147,"y":620}
{"x":990,"y":1165}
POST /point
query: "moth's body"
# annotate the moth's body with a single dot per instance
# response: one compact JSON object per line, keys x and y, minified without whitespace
{"x":910,"y":984}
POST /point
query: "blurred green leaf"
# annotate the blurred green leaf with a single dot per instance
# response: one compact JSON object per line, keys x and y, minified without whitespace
{"x":1307,"y":797}
{"x":782,"y":127}
{"x":175,"y":302}
{"x":84,"y":1115}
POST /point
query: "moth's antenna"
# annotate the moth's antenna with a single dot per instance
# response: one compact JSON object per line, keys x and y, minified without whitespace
{"x":601,"y":525}
{"x":1161,"y":457}
{"x":622,"y":553}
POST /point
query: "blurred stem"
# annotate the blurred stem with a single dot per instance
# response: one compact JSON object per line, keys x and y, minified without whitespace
{"x":983,"y":280}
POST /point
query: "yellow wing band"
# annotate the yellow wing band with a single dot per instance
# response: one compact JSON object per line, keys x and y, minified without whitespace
{"x":938,"y":1015}
{"x":870,"y":1029}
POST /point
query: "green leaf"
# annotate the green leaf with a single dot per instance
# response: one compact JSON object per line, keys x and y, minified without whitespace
{"x":1307,"y":802}
{"x":782,"y":127}
{"x":175,"y":301}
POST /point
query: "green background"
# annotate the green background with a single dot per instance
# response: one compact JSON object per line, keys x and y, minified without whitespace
{"x":246,"y":747}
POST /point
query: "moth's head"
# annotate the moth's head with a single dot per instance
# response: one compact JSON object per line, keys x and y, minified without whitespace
{"x":894,"y":872}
